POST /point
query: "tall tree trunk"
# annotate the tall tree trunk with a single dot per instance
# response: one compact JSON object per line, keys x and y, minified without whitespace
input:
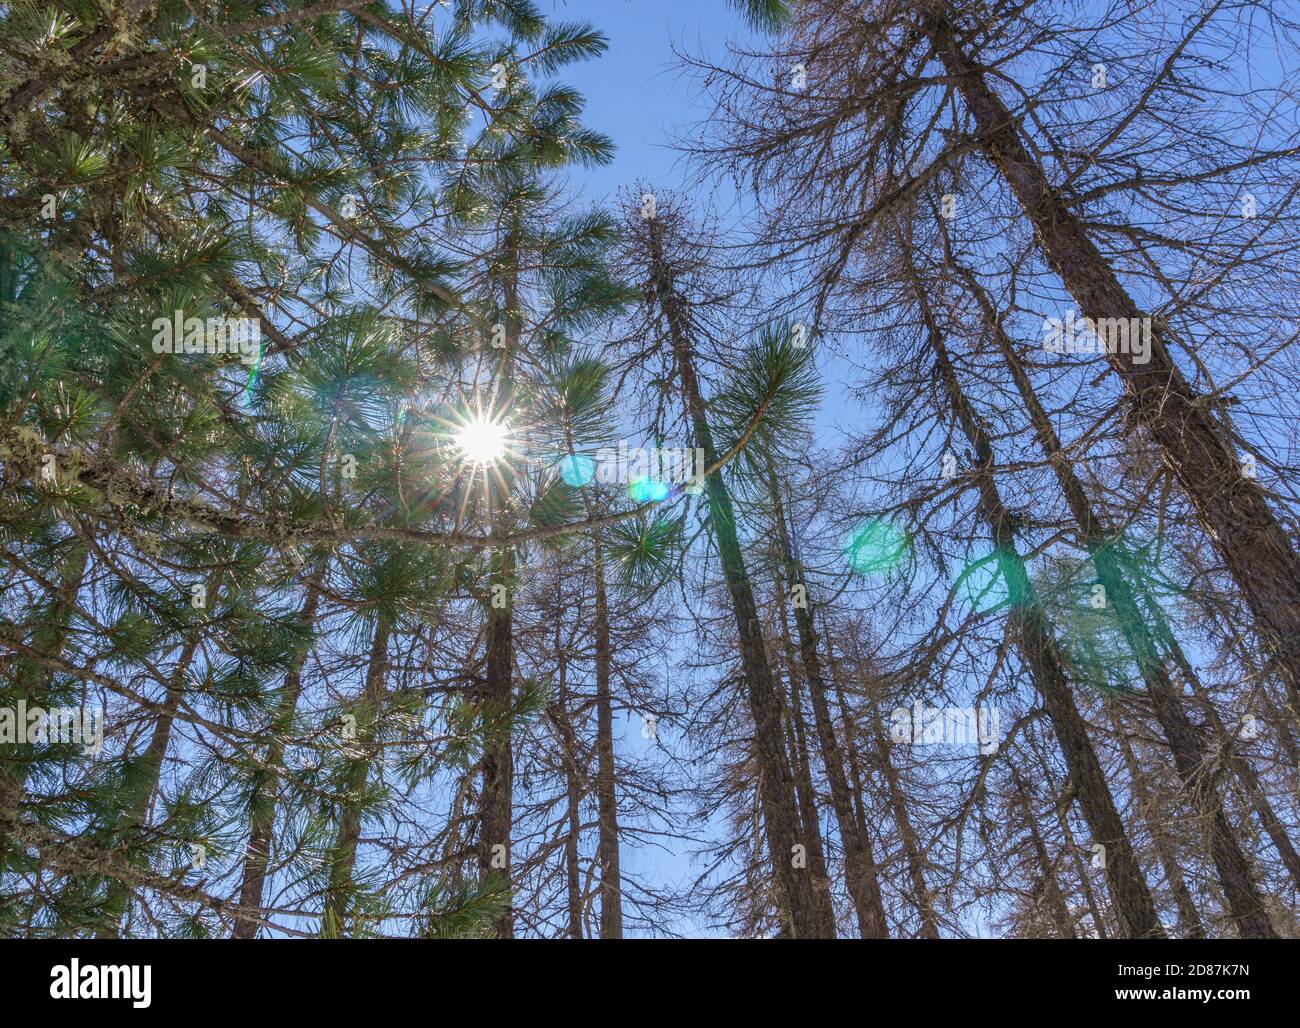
{"x":1189,"y":918}
{"x":796,"y":900}
{"x":856,"y":776}
{"x":267,"y":783}
{"x":1238,"y":762}
{"x":497,"y":765}
{"x":906,"y":833}
{"x":1284,"y":719}
{"x":1233,"y":509}
{"x":1030,"y":629}
{"x":611,"y":890}
{"x":572,"y":794}
{"x":797,"y":743}
{"x":136,"y":818}
{"x":859,"y":863}
{"x":343,"y":855}
{"x":496,"y":796}
{"x":1259,"y":802}
{"x":1049,"y":886}
{"x":1190,"y":760}
{"x":31,"y":681}
{"x":1062,"y":810}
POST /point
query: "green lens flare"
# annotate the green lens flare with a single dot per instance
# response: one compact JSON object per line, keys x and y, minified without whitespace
{"x":875,"y":547}
{"x":983,"y":582}
{"x":252,"y":372}
{"x":577,"y":470}
{"x":1086,"y":623}
{"x":647,"y":490}
{"x":1153,"y":567}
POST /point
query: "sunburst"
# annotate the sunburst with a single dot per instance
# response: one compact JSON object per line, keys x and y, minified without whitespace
{"x":482,"y":440}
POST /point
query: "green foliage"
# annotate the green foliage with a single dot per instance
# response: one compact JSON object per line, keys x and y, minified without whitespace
{"x":645,"y":551}
{"x":769,"y":394}
{"x":465,"y":911}
{"x":346,"y":187}
{"x":769,"y":15}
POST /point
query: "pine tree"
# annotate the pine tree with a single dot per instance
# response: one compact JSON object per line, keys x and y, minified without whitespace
{"x":658,"y":240}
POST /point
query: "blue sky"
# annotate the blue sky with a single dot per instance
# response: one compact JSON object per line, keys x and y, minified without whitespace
{"x":636,"y":95}
{"x":634,"y":92}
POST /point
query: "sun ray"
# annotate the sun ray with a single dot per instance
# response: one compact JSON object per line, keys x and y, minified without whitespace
{"x":483,"y":441}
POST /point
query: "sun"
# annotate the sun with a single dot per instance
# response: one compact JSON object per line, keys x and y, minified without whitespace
{"x":482,"y":440}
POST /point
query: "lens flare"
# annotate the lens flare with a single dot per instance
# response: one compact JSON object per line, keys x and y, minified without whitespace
{"x":482,"y":440}
{"x":647,"y":490}
{"x":577,"y":470}
{"x":875,"y":547}
{"x":983,"y":582}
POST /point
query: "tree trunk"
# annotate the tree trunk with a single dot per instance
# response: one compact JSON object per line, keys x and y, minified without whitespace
{"x":266,"y":789}
{"x":1238,"y":762}
{"x":1061,"y":808}
{"x":1050,"y":887}
{"x":1033,"y":635}
{"x":343,"y":856}
{"x":1190,"y":760}
{"x":1232,"y":508}
{"x":857,"y":779}
{"x":859,"y":862}
{"x":796,"y":901}
{"x":497,"y":766}
{"x":151,"y":761}
{"x":30,"y":682}
{"x":1189,"y":918}
{"x":797,"y":742}
{"x":611,"y":891}
{"x":572,"y":795}
{"x":496,"y":797}
{"x":911,"y":845}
